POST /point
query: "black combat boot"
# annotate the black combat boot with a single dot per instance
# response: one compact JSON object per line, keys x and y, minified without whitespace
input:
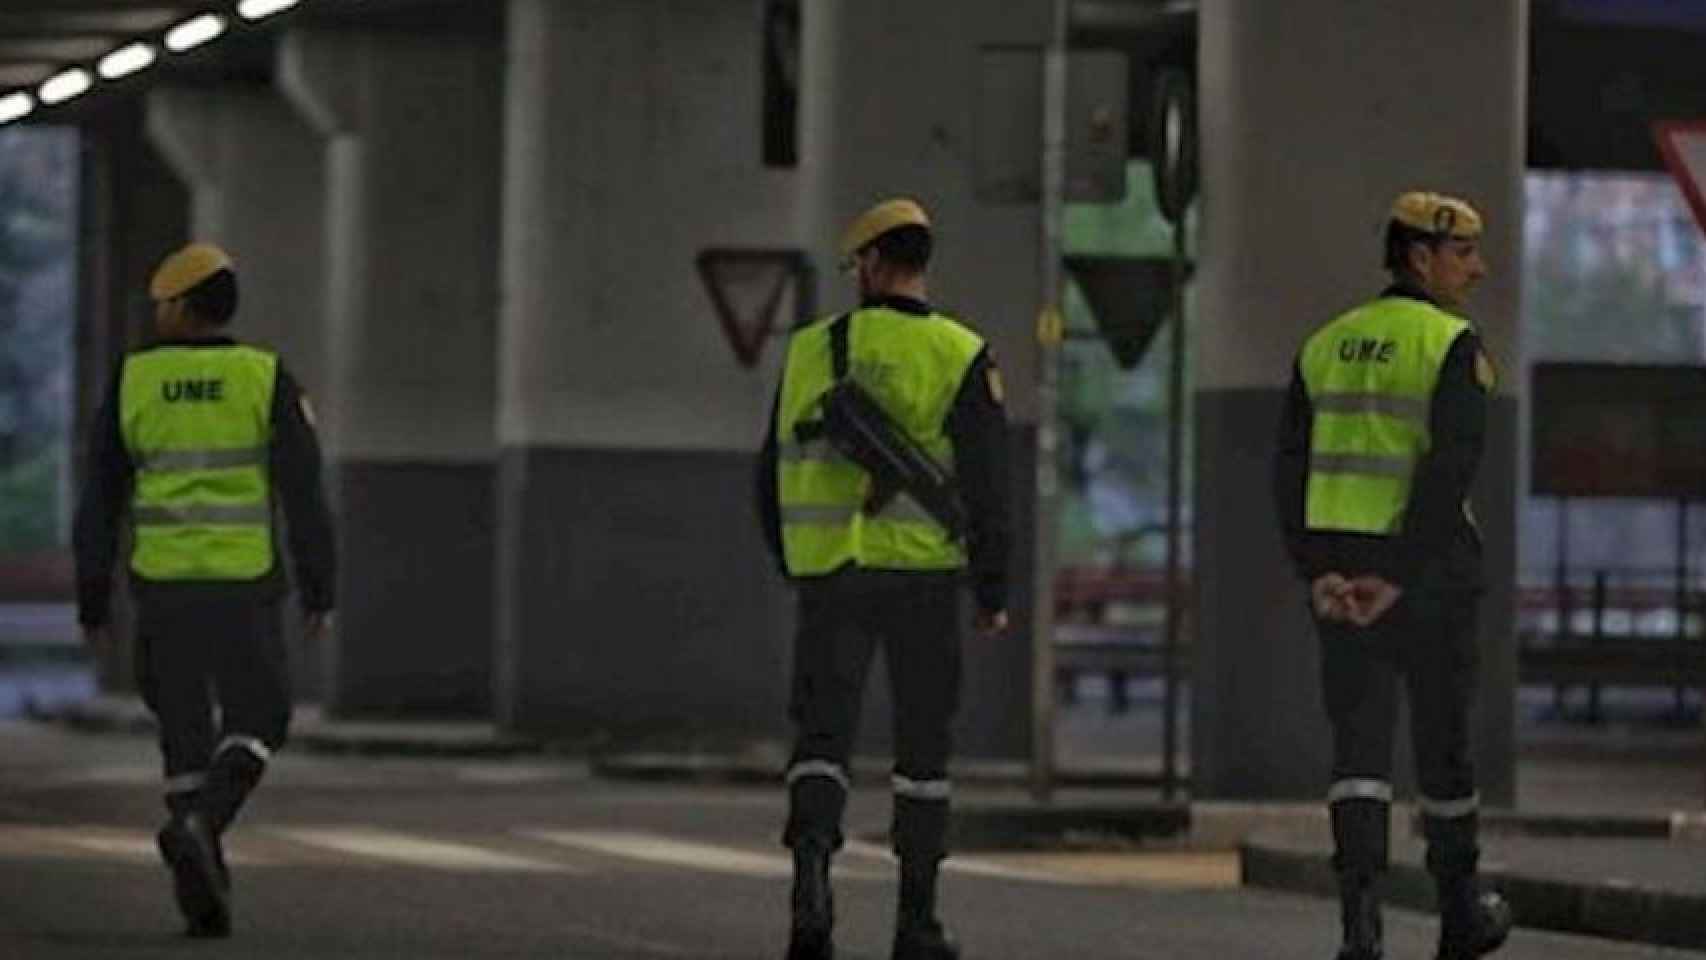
{"x":813,"y":902}
{"x":192,"y":852}
{"x":1471,"y":924}
{"x":918,"y":934}
{"x":1360,"y":834}
{"x":234,"y":775}
{"x":1359,"y":915}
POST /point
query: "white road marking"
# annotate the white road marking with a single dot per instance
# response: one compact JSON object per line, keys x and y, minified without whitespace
{"x":653,"y":848}
{"x":395,"y":847}
{"x":119,"y":844}
{"x":60,"y":843}
{"x":105,"y":775}
{"x":518,"y":775}
{"x":90,"y":842}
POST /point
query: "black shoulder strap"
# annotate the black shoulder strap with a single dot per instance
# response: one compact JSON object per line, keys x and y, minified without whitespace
{"x":838,"y":344}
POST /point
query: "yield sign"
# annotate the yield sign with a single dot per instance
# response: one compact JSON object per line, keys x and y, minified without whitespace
{"x":1683,"y":145}
{"x":748,"y":285}
{"x":1129,"y":297}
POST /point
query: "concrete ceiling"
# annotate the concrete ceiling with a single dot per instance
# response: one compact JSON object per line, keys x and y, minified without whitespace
{"x":38,"y":38}
{"x":1600,"y":70}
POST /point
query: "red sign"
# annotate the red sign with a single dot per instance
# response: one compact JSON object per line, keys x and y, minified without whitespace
{"x":1683,"y":145}
{"x":1615,"y":430}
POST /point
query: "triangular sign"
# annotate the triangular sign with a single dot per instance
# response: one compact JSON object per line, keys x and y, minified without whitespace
{"x":1130,"y":298}
{"x":1683,"y":145}
{"x":747,"y":287}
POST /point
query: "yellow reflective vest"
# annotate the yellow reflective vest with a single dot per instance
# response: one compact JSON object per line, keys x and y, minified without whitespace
{"x":1370,"y":375}
{"x":197,"y":424}
{"x":912,"y":366}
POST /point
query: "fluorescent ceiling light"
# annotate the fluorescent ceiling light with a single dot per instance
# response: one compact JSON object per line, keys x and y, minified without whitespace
{"x":16,"y":106}
{"x":65,"y":85}
{"x":193,"y":33}
{"x":126,"y":60}
{"x":260,"y":9}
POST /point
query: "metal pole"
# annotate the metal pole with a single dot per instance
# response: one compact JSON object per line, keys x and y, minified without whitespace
{"x":1562,"y":603}
{"x":1175,"y":496}
{"x":1681,"y":571}
{"x":1680,"y":691}
{"x":1048,"y":350}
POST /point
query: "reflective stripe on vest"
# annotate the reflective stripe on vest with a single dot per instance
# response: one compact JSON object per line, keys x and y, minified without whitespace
{"x":913,"y":367}
{"x":1370,"y":376}
{"x":182,"y":460}
{"x":197,"y":423}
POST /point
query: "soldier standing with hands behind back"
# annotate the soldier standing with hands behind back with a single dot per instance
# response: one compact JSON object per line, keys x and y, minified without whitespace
{"x":1380,"y":440}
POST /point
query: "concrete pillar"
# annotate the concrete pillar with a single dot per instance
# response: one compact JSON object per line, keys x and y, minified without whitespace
{"x":256,"y":174}
{"x":411,"y":127}
{"x":1314,"y":115}
{"x":634,"y":595}
{"x":133,"y":212}
{"x":894,"y":98}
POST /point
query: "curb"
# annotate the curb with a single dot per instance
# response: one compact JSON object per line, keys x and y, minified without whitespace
{"x":1611,"y":910}
{"x":1674,"y":825}
{"x":765,"y":763}
{"x":978,"y":827}
{"x":405,"y":743}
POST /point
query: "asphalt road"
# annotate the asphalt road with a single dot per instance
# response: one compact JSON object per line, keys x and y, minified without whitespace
{"x":356,"y":858}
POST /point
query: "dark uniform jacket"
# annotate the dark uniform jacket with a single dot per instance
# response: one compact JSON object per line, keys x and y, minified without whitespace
{"x":977,"y":427}
{"x":295,"y":474}
{"x":1439,"y":547}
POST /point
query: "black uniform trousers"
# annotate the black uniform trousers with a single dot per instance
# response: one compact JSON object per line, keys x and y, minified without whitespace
{"x":213,"y":671}
{"x":843,"y":618}
{"x":1427,"y":644}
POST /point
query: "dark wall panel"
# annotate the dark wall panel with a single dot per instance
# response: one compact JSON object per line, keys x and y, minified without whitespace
{"x":414,"y":625}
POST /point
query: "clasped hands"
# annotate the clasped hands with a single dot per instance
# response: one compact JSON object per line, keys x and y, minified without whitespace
{"x":1359,"y":601}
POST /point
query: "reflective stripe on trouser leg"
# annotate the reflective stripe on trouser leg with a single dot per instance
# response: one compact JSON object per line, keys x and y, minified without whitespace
{"x":254,"y":745}
{"x":1361,"y":811}
{"x":238,"y":766}
{"x":1451,"y":828}
{"x":817,"y":799}
{"x":1450,"y":809}
{"x":186,"y":782}
{"x":921,"y":818}
{"x":818,"y":768}
{"x":1359,"y":788}
{"x":183,"y":792}
{"x":937,"y":789}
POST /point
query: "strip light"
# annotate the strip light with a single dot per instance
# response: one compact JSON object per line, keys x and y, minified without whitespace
{"x":126,"y":60}
{"x":65,"y":85}
{"x":133,"y":58}
{"x":195,"y":32}
{"x":261,"y":9}
{"x":16,"y":106}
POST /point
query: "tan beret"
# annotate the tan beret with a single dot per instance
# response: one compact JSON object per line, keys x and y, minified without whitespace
{"x":1437,"y":214}
{"x":187,"y":269}
{"x":880,"y":219}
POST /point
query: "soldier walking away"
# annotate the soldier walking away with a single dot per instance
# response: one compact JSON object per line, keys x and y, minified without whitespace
{"x":197,"y":440}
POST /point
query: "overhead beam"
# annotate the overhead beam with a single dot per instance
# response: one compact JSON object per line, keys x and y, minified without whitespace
{"x":50,"y":22}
